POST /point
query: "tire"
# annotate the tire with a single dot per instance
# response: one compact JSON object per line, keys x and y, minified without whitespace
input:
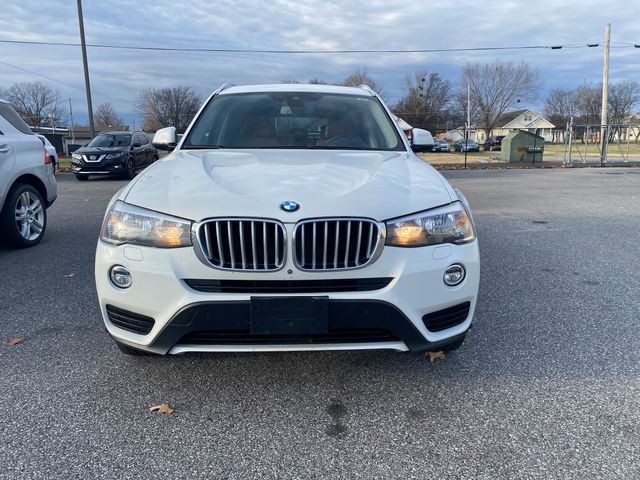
{"x":134,"y":352}
{"x":23,"y":219}
{"x":82,"y":176}
{"x":131,"y":169}
{"x":155,"y":159}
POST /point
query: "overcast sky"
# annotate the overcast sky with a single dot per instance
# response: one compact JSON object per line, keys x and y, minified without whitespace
{"x":117,"y":76}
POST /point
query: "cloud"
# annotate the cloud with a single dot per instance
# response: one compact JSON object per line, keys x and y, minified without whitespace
{"x":118,"y":76}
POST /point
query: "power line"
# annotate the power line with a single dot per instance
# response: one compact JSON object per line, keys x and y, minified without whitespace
{"x":303,"y":52}
{"x":70,"y":85}
{"x":40,"y":75}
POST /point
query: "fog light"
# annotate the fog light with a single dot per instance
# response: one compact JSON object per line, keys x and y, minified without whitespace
{"x":120,"y":276}
{"x":454,"y":275}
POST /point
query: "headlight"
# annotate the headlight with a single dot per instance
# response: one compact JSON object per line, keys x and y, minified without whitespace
{"x":111,"y":156}
{"x":126,"y":223}
{"x":77,"y":156}
{"x":450,"y":224}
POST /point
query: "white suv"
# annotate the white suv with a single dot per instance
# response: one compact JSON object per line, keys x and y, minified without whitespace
{"x":27,"y":184}
{"x":288,"y":217}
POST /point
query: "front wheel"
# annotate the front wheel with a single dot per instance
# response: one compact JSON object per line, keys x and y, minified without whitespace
{"x":23,"y":219}
{"x":131,"y":169}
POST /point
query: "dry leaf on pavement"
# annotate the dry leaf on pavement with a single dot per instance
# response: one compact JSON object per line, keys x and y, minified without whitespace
{"x":13,"y":341}
{"x":432,"y":356}
{"x":162,"y":408}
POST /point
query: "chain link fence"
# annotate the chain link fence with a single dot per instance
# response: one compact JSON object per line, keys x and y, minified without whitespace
{"x":602,"y":144}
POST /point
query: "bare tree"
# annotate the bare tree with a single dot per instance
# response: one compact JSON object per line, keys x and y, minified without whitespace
{"x":106,"y":117}
{"x":589,"y":103}
{"x":426,"y":98}
{"x":37,"y":104}
{"x":559,"y":106}
{"x":361,"y":77}
{"x":164,"y":107}
{"x":313,"y":81}
{"x":622,"y":97}
{"x":497,"y":87}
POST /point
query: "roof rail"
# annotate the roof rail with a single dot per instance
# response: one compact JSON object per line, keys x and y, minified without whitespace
{"x":224,"y":87}
{"x":367,"y":88}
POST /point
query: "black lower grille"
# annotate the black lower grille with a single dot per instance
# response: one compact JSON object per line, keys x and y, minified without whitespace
{"x":134,"y":322}
{"x":243,"y":337}
{"x":289,"y":286}
{"x":447,"y":318}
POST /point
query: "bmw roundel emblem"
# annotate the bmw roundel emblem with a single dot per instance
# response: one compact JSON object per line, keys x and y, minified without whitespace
{"x":289,"y":206}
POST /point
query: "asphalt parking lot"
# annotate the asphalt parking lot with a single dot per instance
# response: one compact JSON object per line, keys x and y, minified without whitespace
{"x":546,"y":386}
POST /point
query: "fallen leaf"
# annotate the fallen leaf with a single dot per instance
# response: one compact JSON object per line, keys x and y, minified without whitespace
{"x":13,"y":341}
{"x":432,"y":356}
{"x":70,"y":275}
{"x":162,"y":408}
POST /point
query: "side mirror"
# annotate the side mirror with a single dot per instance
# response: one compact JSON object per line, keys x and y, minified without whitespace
{"x":165,"y":139}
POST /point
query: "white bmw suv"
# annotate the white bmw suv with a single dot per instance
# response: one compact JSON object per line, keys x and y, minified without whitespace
{"x":288,"y":217}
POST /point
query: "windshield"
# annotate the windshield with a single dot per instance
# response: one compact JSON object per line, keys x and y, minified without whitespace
{"x":294,"y":120}
{"x":111,"y":140}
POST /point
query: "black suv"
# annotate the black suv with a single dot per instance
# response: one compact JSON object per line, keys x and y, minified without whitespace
{"x":114,"y":153}
{"x":493,"y":143}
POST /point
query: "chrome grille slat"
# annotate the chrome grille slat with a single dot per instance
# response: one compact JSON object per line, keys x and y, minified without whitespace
{"x":264,"y":245}
{"x":313,"y":248}
{"x":275,"y":241}
{"x":254,"y":252}
{"x":347,"y":244}
{"x":244,"y":257}
{"x":336,"y":244}
{"x":232,"y":253}
{"x":335,"y":251}
{"x":220,"y":249}
{"x":324,"y":247}
{"x":242,"y":244}
{"x":357,"y":258}
{"x":303,"y":243}
{"x":369,"y":251}
{"x":207,"y":242}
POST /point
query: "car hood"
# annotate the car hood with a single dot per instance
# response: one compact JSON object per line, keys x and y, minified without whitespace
{"x":100,"y":150}
{"x":200,"y":184}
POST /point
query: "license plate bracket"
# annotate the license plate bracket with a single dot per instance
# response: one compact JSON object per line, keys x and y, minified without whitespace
{"x":289,"y":315}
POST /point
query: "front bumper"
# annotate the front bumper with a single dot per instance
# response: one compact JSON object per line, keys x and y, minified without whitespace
{"x":105,"y":167}
{"x":186,"y":319}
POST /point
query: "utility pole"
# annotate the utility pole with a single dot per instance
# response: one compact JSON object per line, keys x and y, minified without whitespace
{"x":469,"y":104}
{"x":468,"y":125}
{"x":73,"y":136}
{"x":604,"y":130}
{"x":86,"y":69}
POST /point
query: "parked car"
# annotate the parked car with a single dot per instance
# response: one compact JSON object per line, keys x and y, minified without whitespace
{"x":27,"y":184}
{"x":51,"y":150}
{"x":466,"y":145}
{"x":441,"y":145}
{"x":114,"y":153}
{"x":421,"y":140}
{"x":493,"y":143}
{"x":288,"y":217}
